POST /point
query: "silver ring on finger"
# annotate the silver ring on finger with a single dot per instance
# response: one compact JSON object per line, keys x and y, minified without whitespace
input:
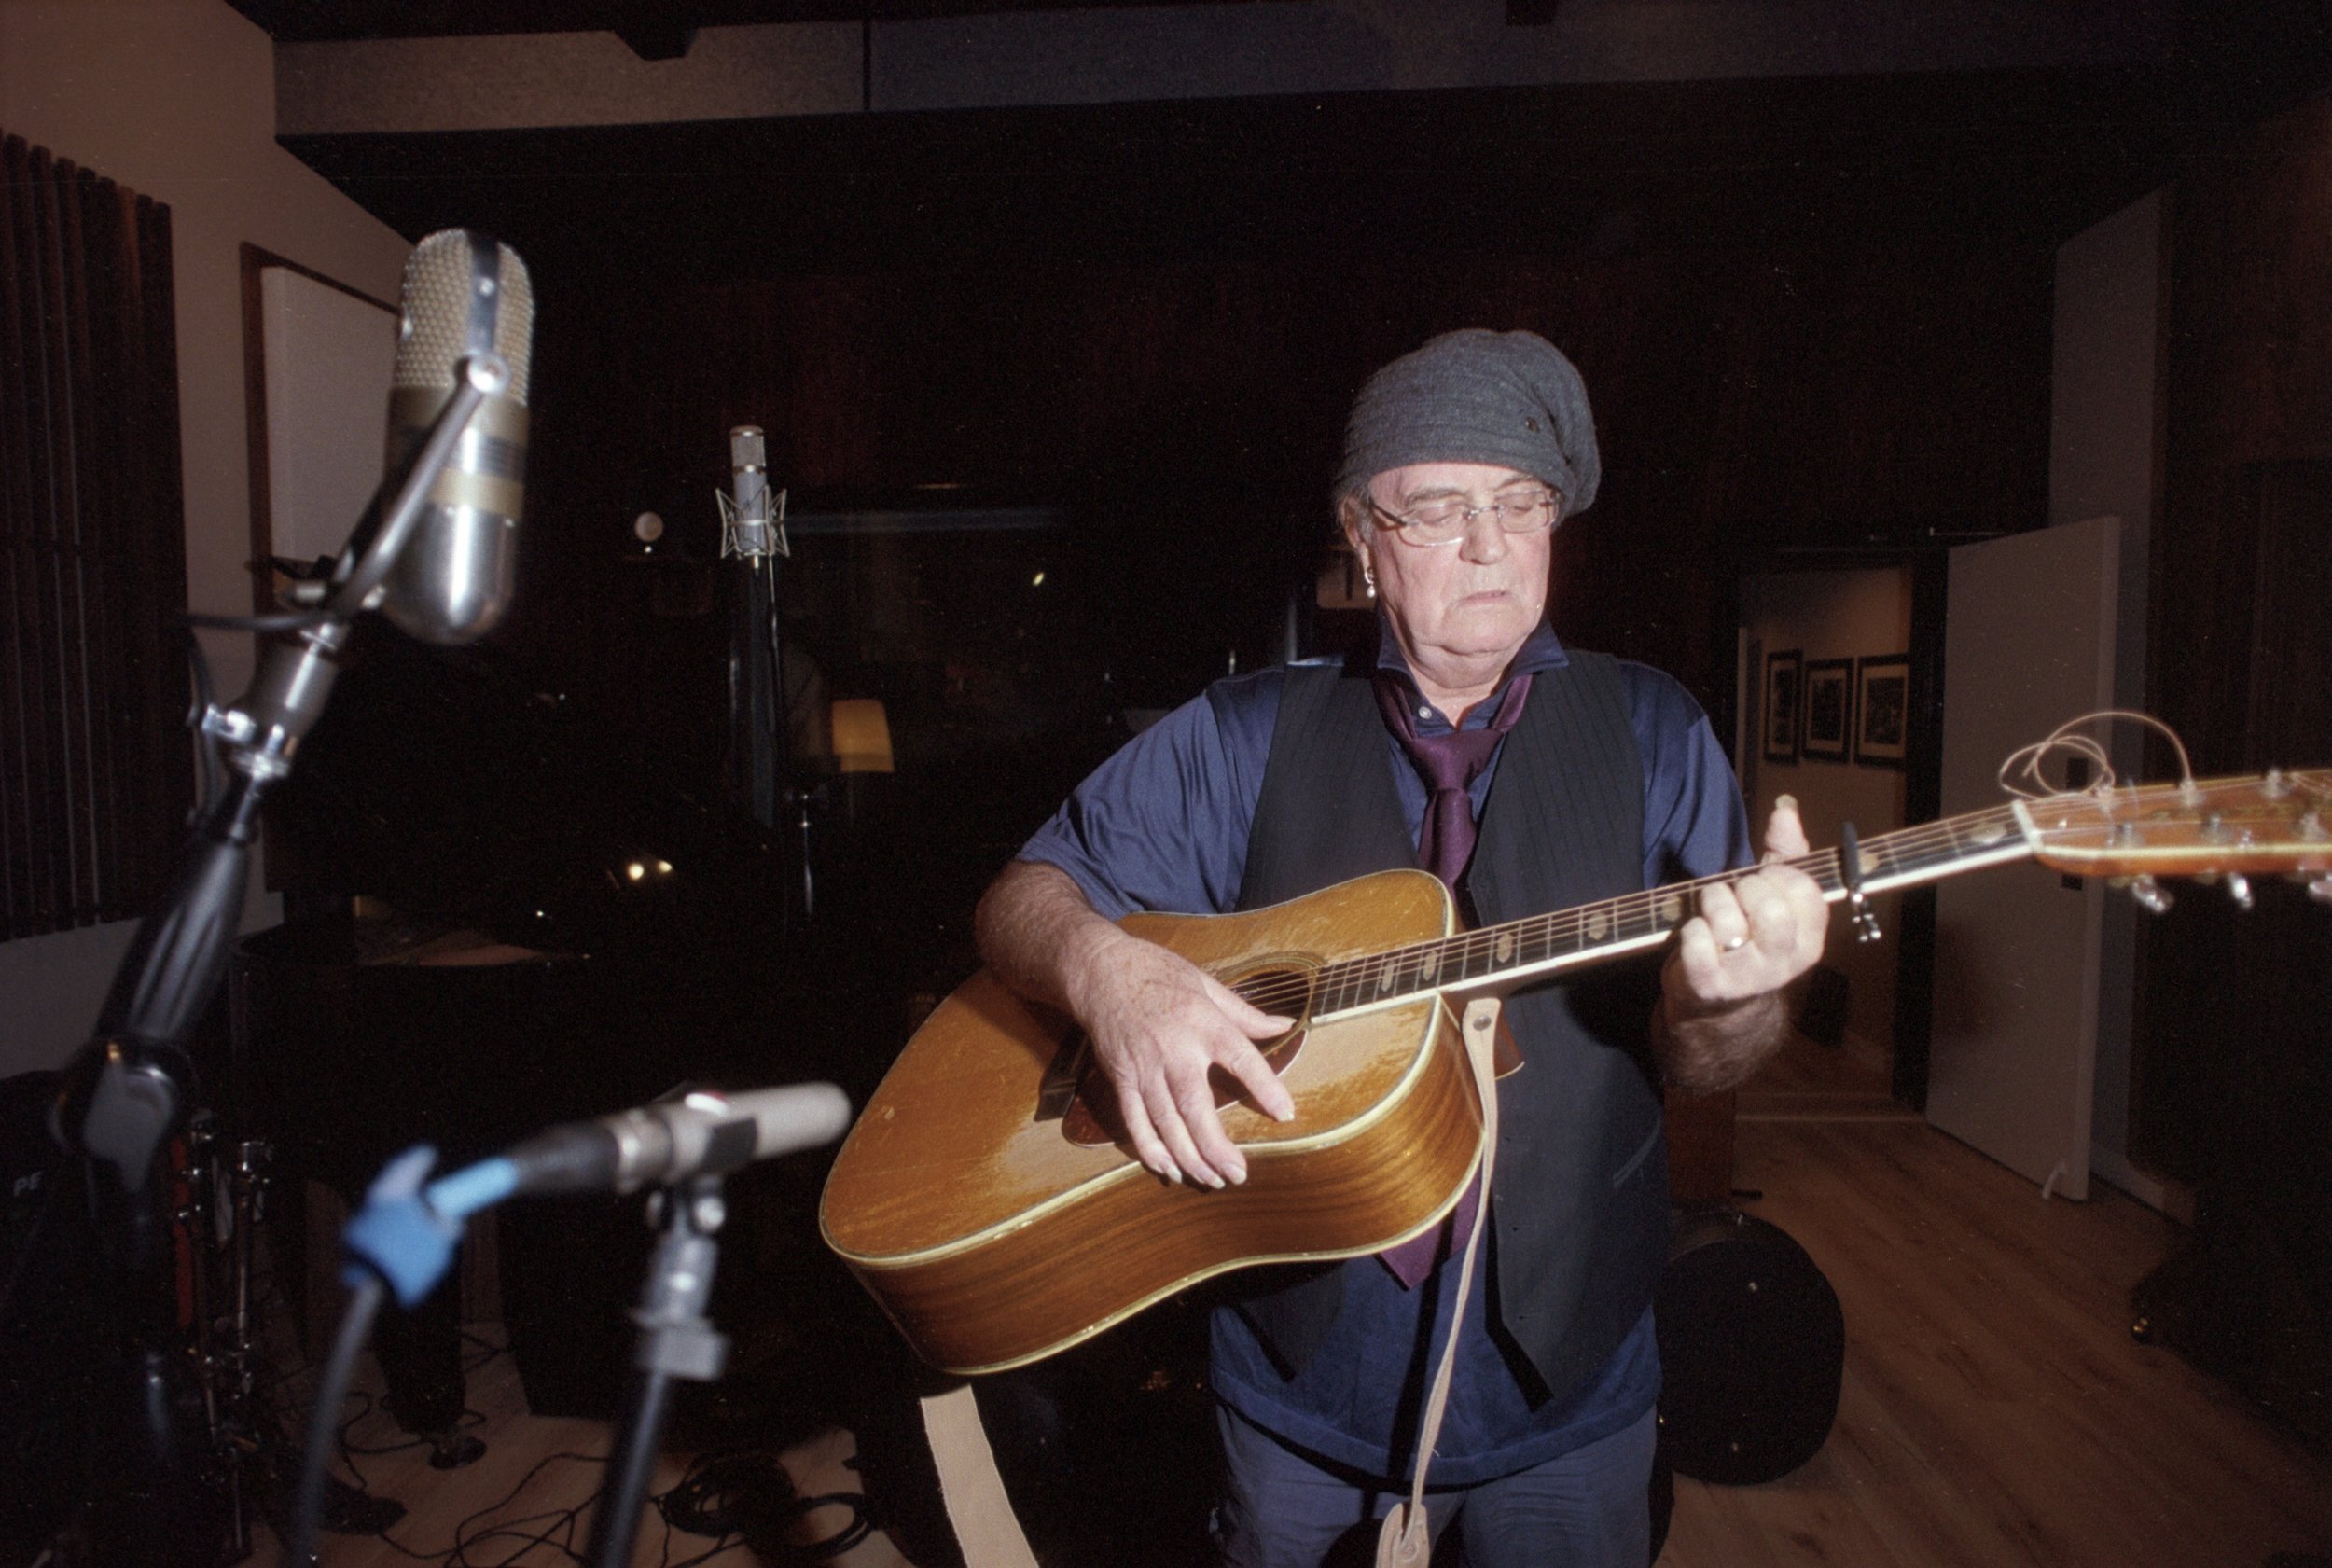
{"x":1736,"y":943}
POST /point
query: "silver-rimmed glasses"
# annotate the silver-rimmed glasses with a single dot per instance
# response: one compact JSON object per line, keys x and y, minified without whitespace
{"x":1444,"y":520}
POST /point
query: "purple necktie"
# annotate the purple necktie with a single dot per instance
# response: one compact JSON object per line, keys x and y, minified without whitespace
{"x":1448,"y":764}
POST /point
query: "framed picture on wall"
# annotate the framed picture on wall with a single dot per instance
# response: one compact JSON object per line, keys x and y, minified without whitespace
{"x":1882,"y":705}
{"x":1827,"y":701}
{"x":1781,"y":706}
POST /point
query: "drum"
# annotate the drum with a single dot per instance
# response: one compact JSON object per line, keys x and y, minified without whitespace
{"x":1753,"y":1347}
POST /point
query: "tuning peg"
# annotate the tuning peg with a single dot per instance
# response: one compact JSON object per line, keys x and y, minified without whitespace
{"x":2238,"y":889}
{"x":2150,"y":895}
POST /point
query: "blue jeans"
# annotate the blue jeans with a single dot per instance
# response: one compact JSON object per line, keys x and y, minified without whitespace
{"x":1588,"y":1509}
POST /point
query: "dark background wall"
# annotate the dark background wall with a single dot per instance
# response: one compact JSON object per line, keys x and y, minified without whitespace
{"x":1186,"y":417}
{"x":2235,"y":1073}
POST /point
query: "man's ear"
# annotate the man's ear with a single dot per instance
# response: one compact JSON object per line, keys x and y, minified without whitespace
{"x":1349,"y":520}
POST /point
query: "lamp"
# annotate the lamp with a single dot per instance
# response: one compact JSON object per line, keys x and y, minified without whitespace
{"x":862,"y":736}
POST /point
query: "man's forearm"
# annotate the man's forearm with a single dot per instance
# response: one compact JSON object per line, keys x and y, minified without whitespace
{"x":1716,"y":1050}
{"x":1035,"y":929}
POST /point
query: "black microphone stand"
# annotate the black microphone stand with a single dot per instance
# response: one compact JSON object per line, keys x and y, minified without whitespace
{"x":759,"y":767}
{"x":675,"y":1340}
{"x":131,"y":1086}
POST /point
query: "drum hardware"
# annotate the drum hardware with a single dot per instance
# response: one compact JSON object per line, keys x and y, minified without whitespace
{"x":223,"y":1201}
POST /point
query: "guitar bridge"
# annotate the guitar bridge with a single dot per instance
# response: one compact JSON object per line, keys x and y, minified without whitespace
{"x":1057,"y":1091}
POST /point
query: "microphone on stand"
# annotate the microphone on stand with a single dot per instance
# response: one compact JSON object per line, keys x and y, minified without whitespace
{"x":406,"y":1230}
{"x":749,"y":528}
{"x":702,"y":1133}
{"x":466,"y":295}
{"x":402,"y":1241}
{"x":434,"y":551}
{"x":754,"y":533}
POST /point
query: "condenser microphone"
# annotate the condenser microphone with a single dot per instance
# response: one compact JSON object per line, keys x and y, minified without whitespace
{"x":701,"y":1133}
{"x":750,"y":533}
{"x":466,"y":295}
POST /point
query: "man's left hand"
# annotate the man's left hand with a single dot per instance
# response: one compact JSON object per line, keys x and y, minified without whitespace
{"x":1753,"y":935}
{"x":1752,"y":938}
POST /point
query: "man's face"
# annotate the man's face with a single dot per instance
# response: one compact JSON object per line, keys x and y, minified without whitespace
{"x":1479,"y":597}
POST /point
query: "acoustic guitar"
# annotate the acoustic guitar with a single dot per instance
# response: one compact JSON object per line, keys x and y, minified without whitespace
{"x":985,"y":1200}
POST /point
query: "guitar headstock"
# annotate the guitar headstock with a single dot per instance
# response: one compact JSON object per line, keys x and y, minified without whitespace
{"x":2231,"y":827}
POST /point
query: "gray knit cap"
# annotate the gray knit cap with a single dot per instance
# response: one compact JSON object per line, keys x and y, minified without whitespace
{"x":1509,"y":399}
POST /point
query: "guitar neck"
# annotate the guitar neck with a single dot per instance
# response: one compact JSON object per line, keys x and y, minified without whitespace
{"x":1520,"y":950}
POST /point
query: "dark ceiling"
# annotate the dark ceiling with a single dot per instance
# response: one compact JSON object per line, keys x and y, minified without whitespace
{"x":656,"y":29}
{"x":312,"y":19}
{"x":1934,"y":158}
{"x":1547,"y":169}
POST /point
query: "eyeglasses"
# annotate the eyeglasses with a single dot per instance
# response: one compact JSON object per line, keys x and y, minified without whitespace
{"x":1445,"y":519}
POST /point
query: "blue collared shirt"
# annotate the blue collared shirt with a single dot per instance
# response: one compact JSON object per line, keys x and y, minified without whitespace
{"x":1163,"y":825}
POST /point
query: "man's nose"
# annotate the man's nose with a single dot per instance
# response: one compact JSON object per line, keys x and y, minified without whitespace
{"x":1485,"y":537}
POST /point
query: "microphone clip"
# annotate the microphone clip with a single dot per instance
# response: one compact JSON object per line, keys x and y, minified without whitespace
{"x":748,"y":531}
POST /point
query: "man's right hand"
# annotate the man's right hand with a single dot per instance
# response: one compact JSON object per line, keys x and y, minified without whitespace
{"x":1158,"y":1023}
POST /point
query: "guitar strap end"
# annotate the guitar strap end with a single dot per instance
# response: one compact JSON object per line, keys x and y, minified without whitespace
{"x":986,"y":1528}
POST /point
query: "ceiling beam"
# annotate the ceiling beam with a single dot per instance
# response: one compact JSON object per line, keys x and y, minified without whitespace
{"x":657,"y":21}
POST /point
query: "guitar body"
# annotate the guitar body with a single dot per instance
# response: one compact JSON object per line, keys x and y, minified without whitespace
{"x":994,"y":1237}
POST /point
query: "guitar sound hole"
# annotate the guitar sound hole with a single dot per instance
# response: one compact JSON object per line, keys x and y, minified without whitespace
{"x":1090,"y":1120}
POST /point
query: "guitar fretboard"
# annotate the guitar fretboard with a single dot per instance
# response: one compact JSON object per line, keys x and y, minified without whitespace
{"x":1522,"y":949}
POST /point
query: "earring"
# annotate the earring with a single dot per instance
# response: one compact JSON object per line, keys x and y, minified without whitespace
{"x":1369,"y":579}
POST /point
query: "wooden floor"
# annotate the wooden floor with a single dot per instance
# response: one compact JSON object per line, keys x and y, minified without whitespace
{"x":529,"y":1498}
{"x":1995,"y":1412}
{"x":1995,"y":1408}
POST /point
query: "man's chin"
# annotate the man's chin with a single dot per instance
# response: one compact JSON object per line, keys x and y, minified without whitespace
{"x":1489,"y":628}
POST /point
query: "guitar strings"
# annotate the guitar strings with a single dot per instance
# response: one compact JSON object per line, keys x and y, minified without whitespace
{"x":1627,"y":917}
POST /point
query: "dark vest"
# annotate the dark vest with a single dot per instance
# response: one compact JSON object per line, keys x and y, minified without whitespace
{"x":1579,"y":1206}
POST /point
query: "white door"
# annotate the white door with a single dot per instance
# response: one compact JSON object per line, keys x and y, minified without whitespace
{"x":2027,"y":643}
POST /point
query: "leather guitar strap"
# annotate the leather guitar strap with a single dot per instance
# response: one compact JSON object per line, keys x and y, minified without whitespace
{"x":989,"y":1533}
{"x":1403,"y":1542}
{"x":986,"y":1528}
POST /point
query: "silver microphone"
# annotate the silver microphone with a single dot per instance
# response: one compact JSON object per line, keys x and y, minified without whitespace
{"x":748,"y":531}
{"x":700,"y":1133}
{"x":466,"y":295}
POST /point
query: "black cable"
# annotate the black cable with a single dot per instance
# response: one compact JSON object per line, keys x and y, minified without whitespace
{"x":857,"y":1530}
{"x":747,"y":1493}
{"x":364,"y":1305}
{"x":460,"y":1557}
{"x":720,"y":1494}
